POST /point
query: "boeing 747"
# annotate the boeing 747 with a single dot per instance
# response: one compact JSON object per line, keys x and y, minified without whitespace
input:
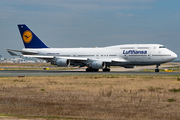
{"x":128,"y":55}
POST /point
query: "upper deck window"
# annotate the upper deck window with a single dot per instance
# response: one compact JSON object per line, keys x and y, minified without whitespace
{"x":127,"y":48}
{"x":162,"y":47}
{"x":143,"y":47}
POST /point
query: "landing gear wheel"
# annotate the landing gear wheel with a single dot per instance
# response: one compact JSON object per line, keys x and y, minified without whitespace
{"x":156,"y":70}
{"x":87,"y":70}
{"x":95,"y":70}
{"x":92,"y":70}
{"x":106,"y":70}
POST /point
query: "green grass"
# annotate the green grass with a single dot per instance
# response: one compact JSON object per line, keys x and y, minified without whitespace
{"x":174,"y":90}
{"x":42,"y":89}
{"x":171,"y":100}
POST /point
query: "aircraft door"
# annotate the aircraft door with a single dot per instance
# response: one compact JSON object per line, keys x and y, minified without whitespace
{"x":97,"y":55}
{"x":125,"y":56}
{"x":133,"y":57}
{"x":149,"y":55}
{"x":74,"y":55}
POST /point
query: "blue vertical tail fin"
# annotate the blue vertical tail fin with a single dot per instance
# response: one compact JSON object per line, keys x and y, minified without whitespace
{"x":30,"y":40}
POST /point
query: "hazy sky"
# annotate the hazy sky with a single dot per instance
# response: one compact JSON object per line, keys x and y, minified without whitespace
{"x":89,"y":23}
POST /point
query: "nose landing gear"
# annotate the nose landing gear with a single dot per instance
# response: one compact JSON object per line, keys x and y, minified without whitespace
{"x":157,"y":68}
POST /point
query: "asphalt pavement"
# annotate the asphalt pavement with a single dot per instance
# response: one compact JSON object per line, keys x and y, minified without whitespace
{"x":22,"y":73}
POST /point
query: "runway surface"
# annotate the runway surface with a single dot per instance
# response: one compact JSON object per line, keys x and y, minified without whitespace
{"x":117,"y":70}
{"x":4,"y":73}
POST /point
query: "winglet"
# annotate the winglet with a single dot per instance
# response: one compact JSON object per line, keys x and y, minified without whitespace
{"x":30,"y":40}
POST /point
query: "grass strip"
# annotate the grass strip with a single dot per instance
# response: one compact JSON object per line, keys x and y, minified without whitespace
{"x":45,"y":117}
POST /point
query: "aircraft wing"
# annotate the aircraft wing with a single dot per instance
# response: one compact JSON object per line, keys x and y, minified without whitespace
{"x":44,"y":57}
{"x":52,"y":57}
{"x":23,"y":52}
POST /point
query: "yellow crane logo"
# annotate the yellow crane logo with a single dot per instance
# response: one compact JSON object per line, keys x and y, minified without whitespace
{"x":27,"y":36}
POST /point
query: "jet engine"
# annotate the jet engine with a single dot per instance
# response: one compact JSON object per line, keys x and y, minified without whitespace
{"x":62,"y":62}
{"x":98,"y":65}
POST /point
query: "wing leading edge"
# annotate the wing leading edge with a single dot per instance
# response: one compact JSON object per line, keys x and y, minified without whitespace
{"x":53,"y":57}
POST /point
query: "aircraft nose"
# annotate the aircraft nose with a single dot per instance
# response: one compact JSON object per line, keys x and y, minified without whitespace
{"x":174,"y":55}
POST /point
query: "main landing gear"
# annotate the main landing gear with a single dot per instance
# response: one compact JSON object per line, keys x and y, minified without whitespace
{"x":106,"y":70}
{"x":157,"y":68}
{"x":96,"y":70}
{"x":91,"y":70}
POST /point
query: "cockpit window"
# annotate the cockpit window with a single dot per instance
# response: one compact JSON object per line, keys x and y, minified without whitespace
{"x":162,"y":47}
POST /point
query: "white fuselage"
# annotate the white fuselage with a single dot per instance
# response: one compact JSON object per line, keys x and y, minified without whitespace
{"x":123,"y":55}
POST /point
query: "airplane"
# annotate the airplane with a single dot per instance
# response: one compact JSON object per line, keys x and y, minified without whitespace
{"x":127,"y":56}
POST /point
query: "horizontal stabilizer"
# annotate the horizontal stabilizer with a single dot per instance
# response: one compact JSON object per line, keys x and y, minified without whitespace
{"x":24,"y":52}
{"x":12,"y":54}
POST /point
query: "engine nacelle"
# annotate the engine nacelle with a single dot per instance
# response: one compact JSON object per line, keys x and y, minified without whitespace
{"x":62,"y":62}
{"x":98,"y":65}
{"x":129,"y":66}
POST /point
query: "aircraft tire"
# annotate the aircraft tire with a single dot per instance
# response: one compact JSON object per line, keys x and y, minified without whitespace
{"x":92,"y":70}
{"x":87,"y":69}
{"x":96,"y":70}
{"x":106,"y":70}
{"x":156,"y":70}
